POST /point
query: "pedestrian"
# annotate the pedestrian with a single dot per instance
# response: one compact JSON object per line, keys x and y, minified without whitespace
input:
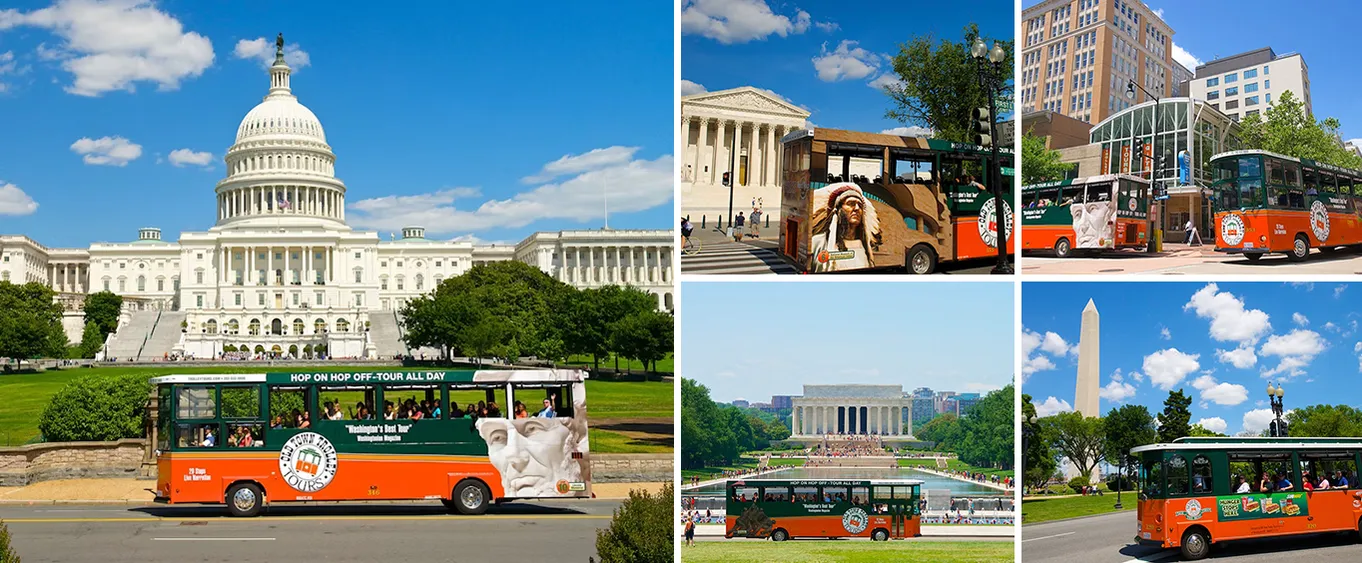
{"x":737,"y":227}
{"x":755,"y":222}
{"x":1193,"y":238}
{"x":690,"y":532}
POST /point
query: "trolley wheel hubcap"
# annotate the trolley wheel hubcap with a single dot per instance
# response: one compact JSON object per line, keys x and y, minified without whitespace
{"x":920,"y":262}
{"x":1063,"y":247}
{"x":1301,"y":249}
{"x":244,"y":499}
{"x":472,"y":497}
{"x":1195,"y":544}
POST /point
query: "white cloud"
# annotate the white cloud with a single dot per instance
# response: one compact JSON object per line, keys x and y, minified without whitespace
{"x":1228,"y":394}
{"x":689,"y":88}
{"x":1035,"y":364}
{"x":1186,"y":59}
{"x":1159,"y":12}
{"x":1055,"y":345}
{"x":1257,"y":420}
{"x":1338,"y":290}
{"x":578,"y":163}
{"x":185,"y":157}
{"x":13,"y":201}
{"x":7,"y":66}
{"x":262,"y":50}
{"x":112,"y":151}
{"x":1214,"y":424}
{"x":913,"y":131}
{"x":827,"y":27}
{"x":1050,"y":343}
{"x":1300,"y":319}
{"x":112,"y":45}
{"x":739,"y":21}
{"x":1052,"y":406}
{"x":1230,"y":321}
{"x":633,"y":185}
{"x":1296,"y":348}
{"x":1165,"y":334}
{"x":1167,"y":368}
{"x":1331,"y":327}
{"x":885,"y":80}
{"x":847,"y":62}
{"x":1117,"y":391}
{"x":1241,"y":357}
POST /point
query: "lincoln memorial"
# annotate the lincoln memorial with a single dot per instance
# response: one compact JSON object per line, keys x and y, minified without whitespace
{"x":843,"y":410}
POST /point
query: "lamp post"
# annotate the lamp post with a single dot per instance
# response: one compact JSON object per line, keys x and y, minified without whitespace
{"x":1274,"y":395}
{"x":989,"y":62}
{"x":1154,"y":232}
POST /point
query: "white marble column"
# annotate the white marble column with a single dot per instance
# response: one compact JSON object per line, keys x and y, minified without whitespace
{"x":775,"y":149}
{"x":719,"y":159}
{"x":700,"y":150}
{"x":685,"y":143}
{"x":737,"y":159}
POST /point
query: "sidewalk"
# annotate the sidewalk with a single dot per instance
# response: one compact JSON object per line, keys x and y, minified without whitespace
{"x":725,"y":479}
{"x":961,"y":479}
{"x":135,"y":491}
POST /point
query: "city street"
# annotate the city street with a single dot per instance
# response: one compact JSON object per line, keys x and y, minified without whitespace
{"x":1181,"y":259}
{"x":719,"y":254}
{"x":549,"y":531}
{"x":1108,"y":539}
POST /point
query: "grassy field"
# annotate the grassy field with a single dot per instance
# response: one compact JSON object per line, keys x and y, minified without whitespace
{"x":954,"y":465}
{"x":1045,"y":509}
{"x":25,"y":395}
{"x":809,"y":551}
{"x":666,"y":365}
{"x":711,"y":472}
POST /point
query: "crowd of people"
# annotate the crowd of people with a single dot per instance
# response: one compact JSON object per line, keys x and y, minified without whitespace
{"x":849,"y":446}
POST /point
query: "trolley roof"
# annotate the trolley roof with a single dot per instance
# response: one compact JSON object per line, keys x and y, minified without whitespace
{"x":1082,"y":181}
{"x":826,"y":482}
{"x":1252,"y":443}
{"x":390,"y":377}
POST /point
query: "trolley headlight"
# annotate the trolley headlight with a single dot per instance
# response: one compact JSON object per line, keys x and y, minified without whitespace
{"x":1262,"y":238}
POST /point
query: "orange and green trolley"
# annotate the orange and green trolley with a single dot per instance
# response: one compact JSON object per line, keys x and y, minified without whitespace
{"x":1270,"y":203}
{"x":249,"y":440}
{"x":879,"y":509}
{"x":1086,"y":215}
{"x":1202,"y":491}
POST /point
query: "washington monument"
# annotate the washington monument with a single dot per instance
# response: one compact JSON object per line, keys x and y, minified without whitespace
{"x":1086,"y":393}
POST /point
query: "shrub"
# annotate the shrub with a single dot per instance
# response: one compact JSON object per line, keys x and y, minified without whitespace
{"x":641,"y":531}
{"x":7,"y":554}
{"x":1077,"y":483}
{"x":1121,"y":482}
{"x":96,"y":408}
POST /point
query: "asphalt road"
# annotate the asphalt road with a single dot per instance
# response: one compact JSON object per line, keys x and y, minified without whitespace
{"x":1131,"y":262}
{"x":1109,"y":539}
{"x":549,"y":531}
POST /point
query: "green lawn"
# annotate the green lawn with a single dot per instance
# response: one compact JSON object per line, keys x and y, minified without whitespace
{"x":1045,"y":509}
{"x":607,"y":442}
{"x":712,"y":471}
{"x":25,"y":395}
{"x":791,"y":462}
{"x":954,"y":465}
{"x":821,"y":551}
{"x":665,"y":365}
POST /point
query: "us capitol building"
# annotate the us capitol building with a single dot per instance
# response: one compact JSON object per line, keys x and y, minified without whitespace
{"x":283,"y":272}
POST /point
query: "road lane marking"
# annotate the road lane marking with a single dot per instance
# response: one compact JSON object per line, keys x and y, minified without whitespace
{"x":1048,"y":537}
{"x":212,"y":539}
{"x":302,"y":518}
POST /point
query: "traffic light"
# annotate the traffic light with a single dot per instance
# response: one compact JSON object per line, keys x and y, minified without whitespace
{"x":983,"y":123}
{"x":726,"y":181}
{"x":1138,"y":146}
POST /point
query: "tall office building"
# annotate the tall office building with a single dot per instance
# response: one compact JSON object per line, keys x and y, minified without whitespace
{"x":1245,"y":84}
{"x":1182,"y":79}
{"x":1078,"y":55}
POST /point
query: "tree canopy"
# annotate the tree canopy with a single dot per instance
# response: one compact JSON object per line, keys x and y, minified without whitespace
{"x":30,"y":325}
{"x":714,"y":434}
{"x":1324,"y":421}
{"x":1286,"y":128}
{"x":1039,"y":163}
{"x":102,"y":309}
{"x":939,"y":84}
{"x":982,"y":436}
{"x":1124,"y":428}
{"x":1078,"y":438}
{"x":1173,"y":421}
{"x":1038,"y":459}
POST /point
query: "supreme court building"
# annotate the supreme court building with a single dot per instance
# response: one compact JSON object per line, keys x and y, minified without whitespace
{"x":845,"y":410}
{"x":712,"y":125}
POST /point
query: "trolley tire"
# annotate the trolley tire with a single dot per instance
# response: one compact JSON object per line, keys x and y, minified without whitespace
{"x":471,"y":497}
{"x":1300,"y":250}
{"x":1063,"y":248}
{"x":879,"y":535}
{"x":780,"y":535}
{"x":243,"y":507}
{"x":921,"y":260}
{"x":1195,"y":545}
{"x":1253,"y":256}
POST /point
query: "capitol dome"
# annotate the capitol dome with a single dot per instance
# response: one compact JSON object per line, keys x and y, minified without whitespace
{"x":280,"y":115}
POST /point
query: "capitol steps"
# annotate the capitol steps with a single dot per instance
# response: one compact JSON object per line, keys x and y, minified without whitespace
{"x":385,"y":334}
{"x":164,"y":336}
{"x":128,"y":340}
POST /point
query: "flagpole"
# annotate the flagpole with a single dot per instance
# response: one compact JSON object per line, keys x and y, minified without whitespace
{"x":606,"y":190}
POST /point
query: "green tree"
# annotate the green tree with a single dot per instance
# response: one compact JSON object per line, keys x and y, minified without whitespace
{"x":1286,"y":128}
{"x":1038,"y":461}
{"x":1201,"y":432}
{"x":1127,"y":427}
{"x":944,"y":430}
{"x":30,"y":325}
{"x":1324,"y":421}
{"x":102,"y":309}
{"x":91,"y":340}
{"x":1077,"y":438}
{"x":590,"y":326}
{"x":939,"y":85}
{"x":1039,"y":163}
{"x":7,"y":553}
{"x":701,"y":431}
{"x":641,"y":531}
{"x":646,"y":336}
{"x":987,"y":430}
{"x":1173,"y":421}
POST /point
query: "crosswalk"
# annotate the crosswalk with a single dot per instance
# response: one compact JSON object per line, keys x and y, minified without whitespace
{"x":734,"y":258}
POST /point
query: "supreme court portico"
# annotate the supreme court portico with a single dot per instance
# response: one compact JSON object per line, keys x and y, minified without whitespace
{"x":843,"y":410}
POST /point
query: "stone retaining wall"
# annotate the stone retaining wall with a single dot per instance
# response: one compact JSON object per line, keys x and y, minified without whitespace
{"x":70,"y":460}
{"x":631,"y":468}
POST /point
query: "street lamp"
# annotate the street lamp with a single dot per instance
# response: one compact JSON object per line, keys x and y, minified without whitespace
{"x":1154,"y":231}
{"x":1275,"y":397}
{"x":989,"y":62}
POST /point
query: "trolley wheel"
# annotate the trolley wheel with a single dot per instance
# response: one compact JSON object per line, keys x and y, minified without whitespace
{"x":921,"y":260}
{"x":879,"y":535}
{"x":471,"y":497}
{"x":1195,"y":545}
{"x":1300,"y":250}
{"x":1063,"y":249}
{"x":779,"y":535}
{"x":245,"y":500}
{"x":1253,"y":256}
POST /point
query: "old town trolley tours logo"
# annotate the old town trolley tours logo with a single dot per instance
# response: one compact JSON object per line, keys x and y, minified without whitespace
{"x":855,"y":520}
{"x":1232,"y":229}
{"x":1319,"y":220}
{"x":308,"y":462}
{"x":988,"y":222}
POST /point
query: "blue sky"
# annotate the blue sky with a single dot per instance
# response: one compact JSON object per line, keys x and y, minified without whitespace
{"x":482,"y":119}
{"x":1221,"y":343}
{"x":751,"y":340}
{"x":1209,"y":29}
{"x":822,"y":55}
